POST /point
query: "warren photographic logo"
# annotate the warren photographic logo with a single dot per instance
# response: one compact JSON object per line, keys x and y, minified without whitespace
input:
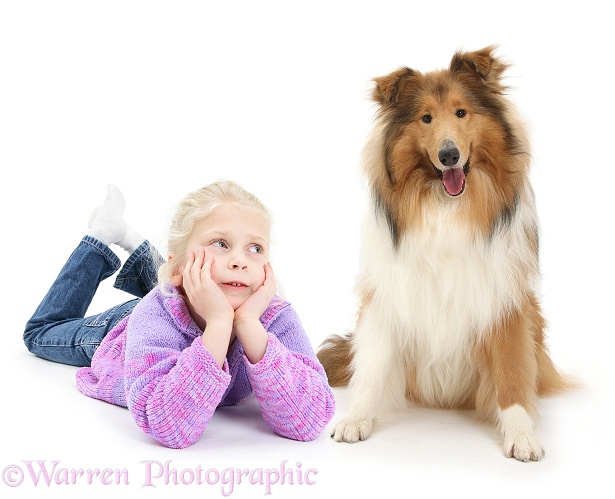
{"x":157,"y":474}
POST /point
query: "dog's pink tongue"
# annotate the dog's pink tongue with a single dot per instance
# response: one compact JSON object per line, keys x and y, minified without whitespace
{"x":453,"y":179}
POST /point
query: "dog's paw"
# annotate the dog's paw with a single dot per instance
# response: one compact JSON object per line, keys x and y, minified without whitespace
{"x":352,"y":430}
{"x":524,"y":447}
{"x":519,"y":440}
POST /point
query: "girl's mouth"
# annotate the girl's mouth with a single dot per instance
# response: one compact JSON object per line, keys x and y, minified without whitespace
{"x":235,"y":284}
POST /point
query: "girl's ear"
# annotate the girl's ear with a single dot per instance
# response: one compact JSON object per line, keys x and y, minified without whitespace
{"x":176,"y":277}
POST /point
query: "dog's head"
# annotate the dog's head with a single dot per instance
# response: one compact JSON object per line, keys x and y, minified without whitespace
{"x":438,"y":123}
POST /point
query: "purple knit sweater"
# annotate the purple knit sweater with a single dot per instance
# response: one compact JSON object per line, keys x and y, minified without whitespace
{"x":154,"y":363}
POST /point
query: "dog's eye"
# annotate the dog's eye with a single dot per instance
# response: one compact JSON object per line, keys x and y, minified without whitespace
{"x":426,"y":118}
{"x":461,"y":113}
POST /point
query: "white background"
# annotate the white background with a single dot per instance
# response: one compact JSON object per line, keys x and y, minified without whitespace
{"x":161,"y":98}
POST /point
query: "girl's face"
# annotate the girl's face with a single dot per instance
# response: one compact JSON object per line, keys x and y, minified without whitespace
{"x":238,"y":240}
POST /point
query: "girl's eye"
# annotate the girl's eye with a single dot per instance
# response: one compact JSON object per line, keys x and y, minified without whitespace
{"x":426,"y":118}
{"x":255,"y":249}
{"x":460,"y":113}
{"x":220,"y":244}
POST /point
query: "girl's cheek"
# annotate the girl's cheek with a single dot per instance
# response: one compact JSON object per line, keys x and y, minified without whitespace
{"x":213,"y":250}
{"x":259,"y":257}
{"x":214,"y":272}
{"x":262,"y":275}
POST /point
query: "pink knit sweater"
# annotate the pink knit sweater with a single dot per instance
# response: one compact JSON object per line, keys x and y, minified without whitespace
{"x":154,"y":363}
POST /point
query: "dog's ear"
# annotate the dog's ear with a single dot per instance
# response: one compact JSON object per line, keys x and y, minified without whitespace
{"x":482,"y":64}
{"x":389,"y":88}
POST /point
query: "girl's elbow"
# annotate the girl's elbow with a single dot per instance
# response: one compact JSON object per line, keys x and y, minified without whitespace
{"x":175,"y":438}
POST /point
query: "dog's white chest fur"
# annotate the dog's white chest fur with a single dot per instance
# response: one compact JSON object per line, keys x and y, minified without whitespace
{"x":440,"y":291}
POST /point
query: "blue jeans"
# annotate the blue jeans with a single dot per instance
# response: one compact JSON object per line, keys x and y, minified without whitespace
{"x":59,"y":330}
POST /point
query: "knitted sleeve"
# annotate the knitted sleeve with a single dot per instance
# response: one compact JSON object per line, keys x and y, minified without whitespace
{"x":173,"y":385}
{"x":289,"y":382}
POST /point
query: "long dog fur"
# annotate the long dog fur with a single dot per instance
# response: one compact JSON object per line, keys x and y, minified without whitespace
{"x":449,"y":316}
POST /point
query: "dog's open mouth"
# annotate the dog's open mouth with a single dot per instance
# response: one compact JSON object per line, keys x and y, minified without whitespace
{"x":454,"y":179}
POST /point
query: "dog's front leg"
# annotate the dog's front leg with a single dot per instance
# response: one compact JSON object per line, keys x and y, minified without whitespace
{"x":375,"y":351}
{"x":514,"y":370}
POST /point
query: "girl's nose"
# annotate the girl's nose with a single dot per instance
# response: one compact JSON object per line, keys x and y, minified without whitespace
{"x":237,"y":261}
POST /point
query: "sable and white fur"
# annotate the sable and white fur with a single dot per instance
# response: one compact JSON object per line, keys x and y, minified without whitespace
{"x":449,"y":260}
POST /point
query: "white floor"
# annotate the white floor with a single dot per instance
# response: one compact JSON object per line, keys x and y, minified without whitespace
{"x":162,"y":99}
{"x":439,"y":453}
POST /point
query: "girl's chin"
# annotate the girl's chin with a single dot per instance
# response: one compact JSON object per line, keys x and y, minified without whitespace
{"x":236,"y":302}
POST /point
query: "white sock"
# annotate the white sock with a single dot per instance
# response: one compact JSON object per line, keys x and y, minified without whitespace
{"x":131,"y":241}
{"x":107,"y":222}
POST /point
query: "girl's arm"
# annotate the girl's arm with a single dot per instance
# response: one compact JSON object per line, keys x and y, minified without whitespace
{"x":173,"y":384}
{"x":246,"y":322}
{"x":208,"y":306}
{"x":289,"y":382}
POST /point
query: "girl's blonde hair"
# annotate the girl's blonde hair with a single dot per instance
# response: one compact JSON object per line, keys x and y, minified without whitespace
{"x":196,"y":206}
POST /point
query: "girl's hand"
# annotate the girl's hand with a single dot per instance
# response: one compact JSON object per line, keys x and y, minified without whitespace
{"x":247,"y":326}
{"x":255,"y":305}
{"x":208,"y":306}
{"x":206,"y":301}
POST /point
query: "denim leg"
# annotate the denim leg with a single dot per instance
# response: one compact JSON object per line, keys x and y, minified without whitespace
{"x":139,"y":274}
{"x":58,"y":330}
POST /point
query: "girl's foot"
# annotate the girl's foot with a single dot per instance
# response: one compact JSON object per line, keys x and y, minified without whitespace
{"x":107,"y":222}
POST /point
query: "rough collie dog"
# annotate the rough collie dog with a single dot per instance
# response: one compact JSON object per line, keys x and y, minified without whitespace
{"x":449,"y":316}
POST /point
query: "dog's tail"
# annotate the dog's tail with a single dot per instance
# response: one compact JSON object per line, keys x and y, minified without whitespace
{"x":335,"y":355}
{"x":550,"y":380}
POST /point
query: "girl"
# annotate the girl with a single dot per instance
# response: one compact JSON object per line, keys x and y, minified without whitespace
{"x":211,"y":333}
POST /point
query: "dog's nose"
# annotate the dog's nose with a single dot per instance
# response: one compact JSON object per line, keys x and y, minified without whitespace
{"x":448,"y":155}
